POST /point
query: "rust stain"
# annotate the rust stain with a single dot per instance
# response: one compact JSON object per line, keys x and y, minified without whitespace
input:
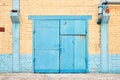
{"x":2,"y":29}
{"x":82,"y":37}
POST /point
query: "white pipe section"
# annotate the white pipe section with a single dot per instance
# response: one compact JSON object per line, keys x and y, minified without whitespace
{"x":113,"y":1}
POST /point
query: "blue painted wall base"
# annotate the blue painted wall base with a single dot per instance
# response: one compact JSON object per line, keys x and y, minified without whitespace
{"x":6,"y":63}
{"x":26,"y":63}
{"x":94,"y":63}
{"x":114,"y":63}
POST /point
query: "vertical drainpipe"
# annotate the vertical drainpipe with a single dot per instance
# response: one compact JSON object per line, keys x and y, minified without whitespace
{"x":103,"y":19}
{"x":104,"y":62}
{"x":15,"y":17}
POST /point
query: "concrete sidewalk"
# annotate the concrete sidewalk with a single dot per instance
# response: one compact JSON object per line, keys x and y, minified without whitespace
{"x":32,"y":76}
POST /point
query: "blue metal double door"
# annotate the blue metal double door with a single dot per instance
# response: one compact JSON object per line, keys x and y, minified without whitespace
{"x":60,"y":46}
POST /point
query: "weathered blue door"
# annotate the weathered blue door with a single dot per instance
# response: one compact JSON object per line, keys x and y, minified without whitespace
{"x":66,"y":58}
{"x":73,"y":55}
{"x":46,"y":46}
{"x":73,"y":37}
{"x":60,"y":44}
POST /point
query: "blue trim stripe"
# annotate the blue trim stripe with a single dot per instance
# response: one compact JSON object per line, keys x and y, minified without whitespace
{"x":33,"y":17}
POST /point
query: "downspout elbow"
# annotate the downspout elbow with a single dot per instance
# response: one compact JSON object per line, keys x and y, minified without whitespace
{"x":99,"y":19}
{"x":100,"y":11}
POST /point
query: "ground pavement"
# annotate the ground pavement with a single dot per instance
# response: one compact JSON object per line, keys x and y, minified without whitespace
{"x":32,"y":76}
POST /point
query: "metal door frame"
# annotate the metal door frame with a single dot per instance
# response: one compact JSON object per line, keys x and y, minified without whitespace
{"x":59,"y":17}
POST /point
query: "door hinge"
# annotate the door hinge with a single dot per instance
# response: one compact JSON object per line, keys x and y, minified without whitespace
{"x":34,"y":60}
{"x":86,"y":60}
{"x":60,"y":50}
{"x":33,"y":32}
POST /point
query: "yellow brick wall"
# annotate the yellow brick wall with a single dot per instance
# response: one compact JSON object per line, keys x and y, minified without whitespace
{"x":5,"y":37}
{"x":114,"y":29}
{"x":58,"y":7}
